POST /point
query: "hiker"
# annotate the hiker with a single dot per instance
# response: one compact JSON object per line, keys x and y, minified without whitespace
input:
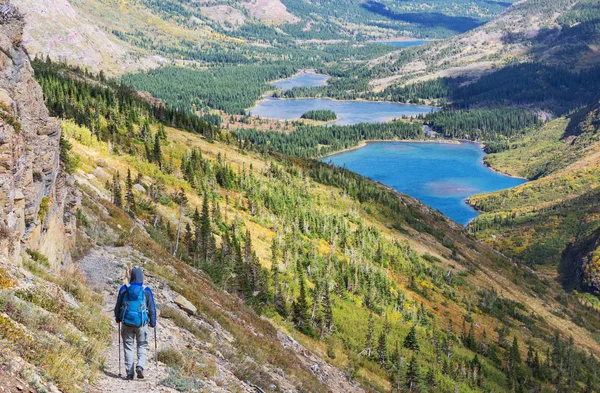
{"x":135,"y":309}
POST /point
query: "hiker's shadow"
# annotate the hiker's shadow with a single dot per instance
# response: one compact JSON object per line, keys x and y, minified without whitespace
{"x":112,"y":375}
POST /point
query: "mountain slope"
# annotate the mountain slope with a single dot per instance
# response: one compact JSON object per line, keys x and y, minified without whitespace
{"x":558,"y":32}
{"x":301,"y":229}
{"x":126,"y":36}
{"x":536,"y":221}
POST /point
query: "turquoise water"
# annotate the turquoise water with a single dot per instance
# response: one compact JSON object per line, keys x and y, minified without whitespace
{"x":348,"y":112}
{"x":441,"y":175}
{"x":305,"y":79}
{"x":405,"y":44}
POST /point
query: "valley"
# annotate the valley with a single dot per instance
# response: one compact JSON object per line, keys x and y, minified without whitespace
{"x":326,"y":196}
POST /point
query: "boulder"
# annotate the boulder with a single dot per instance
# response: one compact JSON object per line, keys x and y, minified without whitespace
{"x":185,"y":305}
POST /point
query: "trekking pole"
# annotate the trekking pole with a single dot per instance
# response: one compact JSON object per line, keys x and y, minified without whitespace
{"x":155,"y":353}
{"x":119,"y":349}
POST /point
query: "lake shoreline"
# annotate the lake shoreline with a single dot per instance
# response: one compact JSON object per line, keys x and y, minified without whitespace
{"x":366,"y":142}
{"x":269,"y":97}
{"x":447,"y":141}
{"x":300,"y":72}
{"x":422,"y":160}
{"x":403,"y":39}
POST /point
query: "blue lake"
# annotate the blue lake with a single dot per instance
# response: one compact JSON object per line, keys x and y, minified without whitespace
{"x":348,"y":112}
{"x":441,"y":175}
{"x":405,"y":44}
{"x":304,"y":79}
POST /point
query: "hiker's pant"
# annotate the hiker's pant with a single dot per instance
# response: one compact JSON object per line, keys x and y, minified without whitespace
{"x":130,"y":336}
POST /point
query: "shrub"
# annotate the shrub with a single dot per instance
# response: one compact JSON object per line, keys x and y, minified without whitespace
{"x":170,"y":357}
{"x":5,"y":281}
{"x":182,"y":383}
{"x":38,"y":257}
{"x":44,"y":208}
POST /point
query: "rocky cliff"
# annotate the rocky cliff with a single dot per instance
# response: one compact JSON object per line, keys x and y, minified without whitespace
{"x":37,"y":205}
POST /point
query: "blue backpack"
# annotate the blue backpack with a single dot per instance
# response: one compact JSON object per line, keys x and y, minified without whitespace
{"x":133,"y":310}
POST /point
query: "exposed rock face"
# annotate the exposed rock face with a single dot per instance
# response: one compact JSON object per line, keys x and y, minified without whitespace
{"x":37,"y":205}
{"x":185,"y":305}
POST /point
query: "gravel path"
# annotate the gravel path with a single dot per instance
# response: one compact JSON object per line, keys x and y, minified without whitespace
{"x":105,"y":269}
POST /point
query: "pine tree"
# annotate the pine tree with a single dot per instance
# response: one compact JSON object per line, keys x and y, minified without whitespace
{"x":244,"y":287}
{"x":413,"y":375}
{"x":398,"y":375}
{"x":206,"y":243}
{"x":278,"y":299}
{"x":589,"y":385}
{"x":161,"y":132}
{"x":513,"y":370}
{"x":179,"y":198}
{"x":328,"y":324}
{"x":116,"y":190}
{"x":368,"y":349}
{"x":300,"y":307}
{"x":471,"y":340}
{"x":156,"y":152}
{"x":253,"y":266}
{"x":411,"y":341}
{"x":382,"y":348}
{"x":130,"y":198}
{"x":189,"y":238}
{"x":430,"y":378}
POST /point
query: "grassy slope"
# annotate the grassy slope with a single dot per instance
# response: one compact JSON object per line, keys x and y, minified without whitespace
{"x":480,"y":266}
{"x":535,"y":221}
{"x":551,"y":32}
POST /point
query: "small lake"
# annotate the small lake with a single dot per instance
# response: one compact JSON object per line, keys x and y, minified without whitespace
{"x":441,"y":175}
{"x":348,"y":112}
{"x":404,"y":44}
{"x":303,"y":79}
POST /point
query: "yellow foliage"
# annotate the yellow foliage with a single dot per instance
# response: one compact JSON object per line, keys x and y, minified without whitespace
{"x":5,"y":281}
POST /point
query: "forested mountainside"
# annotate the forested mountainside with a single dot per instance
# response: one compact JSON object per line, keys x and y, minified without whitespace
{"x":559,"y":33}
{"x":124,"y":36}
{"x":384,"y":288}
{"x":535,"y":222}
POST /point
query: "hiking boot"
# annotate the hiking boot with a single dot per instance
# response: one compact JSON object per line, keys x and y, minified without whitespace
{"x":129,"y":377}
{"x":140,"y":372}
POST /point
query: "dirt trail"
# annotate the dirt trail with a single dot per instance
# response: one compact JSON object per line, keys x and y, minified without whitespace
{"x":105,"y":270}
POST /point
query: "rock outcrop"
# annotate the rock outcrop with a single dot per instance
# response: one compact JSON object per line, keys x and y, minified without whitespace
{"x":37,"y":202}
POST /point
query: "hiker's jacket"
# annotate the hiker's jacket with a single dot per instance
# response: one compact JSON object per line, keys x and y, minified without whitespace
{"x":136,"y":283}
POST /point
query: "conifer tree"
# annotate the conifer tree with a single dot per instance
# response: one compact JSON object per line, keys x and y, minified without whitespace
{"x":278,"y":299}
{"x":398,"y":382}
{"x":130,"y":198}
{"x":179,"y":198}
{"x":244,"y":287}
{"x":513,"y":371}
{"x":471,"y":340}
{"x":300,"y":307}
{"x":413,"y":375}
{"x":161,"y":132}
{"x":195,"y":246}
{"x":116,"y":190}
{"x":206,"y":243}
{"x":382,"y":348}
{"x":430,"y":378}
{"x":411,"y":341}
{"x":189,"y":238}
{"x":328,"y":324}
{"x":368,"y":349}
{"x":156,"y":152}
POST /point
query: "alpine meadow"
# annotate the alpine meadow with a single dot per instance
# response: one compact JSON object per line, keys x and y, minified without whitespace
{"x":249,"y":196}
